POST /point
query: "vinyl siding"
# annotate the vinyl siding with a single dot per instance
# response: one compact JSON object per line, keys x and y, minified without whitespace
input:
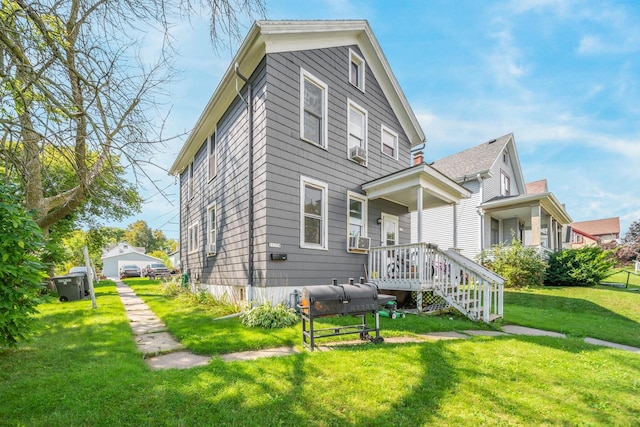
{"x":288,"y":158}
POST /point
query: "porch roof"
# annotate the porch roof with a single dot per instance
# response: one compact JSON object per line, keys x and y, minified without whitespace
{"x":519,"y":206}
{"x":400,"y":187}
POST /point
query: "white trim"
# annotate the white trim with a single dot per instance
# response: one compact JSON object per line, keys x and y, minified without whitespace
{"x":351,"y":105}
{"x":215,"y":227}
{"x":214,"y":137}
{"x":193,"y":247}
{"x":384,"y":129}
{"x":306,"y":76}
{"x":365,"y":212}
{"x":359,"y":61}
{"x":383,"y":237}
{"x":324,"y":219}
{"x":190,"y":181}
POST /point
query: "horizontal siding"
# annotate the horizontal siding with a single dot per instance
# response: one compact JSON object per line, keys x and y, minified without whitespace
{"x":288,"y":158}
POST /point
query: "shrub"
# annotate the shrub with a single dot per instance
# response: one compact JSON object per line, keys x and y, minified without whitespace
{"x":21,"y":272}
{"x":520,"y":266}
{"x":578,"y":267}
{"x":269,"y":316}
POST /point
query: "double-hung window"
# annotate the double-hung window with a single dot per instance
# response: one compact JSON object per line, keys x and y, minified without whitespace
{"x":389,"y":142}
{"x":314,"y":226}
{"x":356,"y":70}
{"x":357,"y":215}
{"x":313,"y":109}
{"x":357,"y":133}
{"x":505,"y":184}
{"x":193,"y":237}
{"x":212,"y":230}
{"x":211,"y":156}
{"x":190,"y":181}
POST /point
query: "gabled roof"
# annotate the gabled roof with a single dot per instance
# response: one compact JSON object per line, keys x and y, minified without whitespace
{"x":285,"y":36}
{"x":476,"y":160}
{"x":537,"y":187}
{"x":598,"y":227}
{"x":547,"y":200}
{"x":122,"y":247}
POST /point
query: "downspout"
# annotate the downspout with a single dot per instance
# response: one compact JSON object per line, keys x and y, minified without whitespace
{"x":481,"y":211}
{"x":249,"y":102}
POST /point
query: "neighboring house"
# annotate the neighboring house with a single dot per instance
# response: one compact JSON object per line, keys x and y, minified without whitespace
{"x":174,"y":259}
{"x":590,"y":233}
{"x":295,"y":189}
{"x":501,"y":205}
{"x":117,"y":255}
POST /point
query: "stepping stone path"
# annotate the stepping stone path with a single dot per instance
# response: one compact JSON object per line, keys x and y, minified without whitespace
{"x":162,"y":351}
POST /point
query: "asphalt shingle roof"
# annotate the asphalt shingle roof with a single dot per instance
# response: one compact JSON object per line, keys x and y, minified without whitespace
{"x":472,"y":161}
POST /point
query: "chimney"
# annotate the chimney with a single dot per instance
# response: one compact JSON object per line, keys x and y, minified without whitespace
{"x":418,"y":158}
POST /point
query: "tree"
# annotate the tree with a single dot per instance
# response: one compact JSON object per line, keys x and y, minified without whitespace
{"x":140,"y":234}
{"x":630,"y":248}
{"x":73,"y":84}
{"x":20,"y":268}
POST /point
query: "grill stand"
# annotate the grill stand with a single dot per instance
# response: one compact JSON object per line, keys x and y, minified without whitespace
{"x":309,"y":336}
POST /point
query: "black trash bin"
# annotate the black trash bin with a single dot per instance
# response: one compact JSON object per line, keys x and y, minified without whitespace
{"x":84,"y":279}
{"x":70,"y":288}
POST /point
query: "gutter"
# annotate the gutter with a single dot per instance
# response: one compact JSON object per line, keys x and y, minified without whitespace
{"x":249,"y":102}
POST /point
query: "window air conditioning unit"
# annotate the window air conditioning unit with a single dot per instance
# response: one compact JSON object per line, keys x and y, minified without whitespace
{"x":211,"y":249}
{"x":359,"y":243}
{"x":358,"y":154}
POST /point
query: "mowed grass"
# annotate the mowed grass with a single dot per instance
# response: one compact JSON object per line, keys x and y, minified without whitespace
{"x":84,"y":369}
{"x":606,"y":313}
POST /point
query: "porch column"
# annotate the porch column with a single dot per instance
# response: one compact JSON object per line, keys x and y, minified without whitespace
{"x":536,"y":225}
{"x":421,"y":261}
{"x":455,"y":225}
{"x":553,"y":233}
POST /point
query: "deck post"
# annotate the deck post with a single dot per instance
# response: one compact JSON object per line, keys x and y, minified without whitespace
{"x":419,"y":201}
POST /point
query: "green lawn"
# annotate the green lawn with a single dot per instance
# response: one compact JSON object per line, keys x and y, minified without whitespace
{"x":83,"y":369}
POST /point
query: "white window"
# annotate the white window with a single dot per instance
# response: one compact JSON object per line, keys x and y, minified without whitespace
{"x":193,"y":238}
{"x":505,"y":156}
{"x":505,"y":184}
{"x":211,"y":150}
{"x":190,"y":181}
{"x":212,"y":230}
{"x":357,"y":133}
{"x":313,"y":110}
{"x":314,"y":227}
{"x":356,"y":70}
{"x":389,"y":142}
{"x":357,"y":215}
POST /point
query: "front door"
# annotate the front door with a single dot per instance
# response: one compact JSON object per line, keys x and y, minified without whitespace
{"x":389,"y":230}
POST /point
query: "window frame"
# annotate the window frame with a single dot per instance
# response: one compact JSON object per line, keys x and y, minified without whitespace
{"x":190,"y":185}
{"x":306,"y":76}
{"x":324,"y":218}
{"x":212,"y":228}
{"x":384,"y":129}
{"x":361,"y":65}
{"x":351,"y":105}
{"x":212,"y":140}
{"x":505,"y":184}
{"x":193,"y":238}
{"x":365,"y":213}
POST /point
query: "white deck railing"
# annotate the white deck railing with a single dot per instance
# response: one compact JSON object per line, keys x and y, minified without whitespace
{"x":469,"y":287}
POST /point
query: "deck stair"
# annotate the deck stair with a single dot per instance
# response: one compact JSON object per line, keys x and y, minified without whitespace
{"x":467,"y":286}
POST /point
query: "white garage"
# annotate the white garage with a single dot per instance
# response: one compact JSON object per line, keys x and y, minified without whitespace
{"x":124,"y":254}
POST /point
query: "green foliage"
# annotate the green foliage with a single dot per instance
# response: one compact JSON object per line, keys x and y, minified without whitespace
{"x":174,"y":289}
{"x":21,"y":271}
{"x":520,"y":266}
{"x":578,"y":267}
{"x":269,"y":316}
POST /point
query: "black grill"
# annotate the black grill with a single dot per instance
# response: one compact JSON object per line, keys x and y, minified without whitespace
{"x":354,"y":299}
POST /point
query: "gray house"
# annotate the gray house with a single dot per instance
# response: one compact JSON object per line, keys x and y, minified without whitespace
{"x":501,"y":205}
{"x":301,"y":164}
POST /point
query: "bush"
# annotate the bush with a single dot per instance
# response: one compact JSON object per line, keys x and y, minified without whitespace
{"x":579,"y":267}
{"x":269,"y":316}
{"x":21,"y":272}
{"x":520,"y":266}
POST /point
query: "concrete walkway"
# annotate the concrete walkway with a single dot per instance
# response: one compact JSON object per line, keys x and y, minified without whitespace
{"x":162,"y":351}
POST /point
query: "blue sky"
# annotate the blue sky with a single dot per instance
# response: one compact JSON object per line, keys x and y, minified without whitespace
{"x":563,"y":76}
